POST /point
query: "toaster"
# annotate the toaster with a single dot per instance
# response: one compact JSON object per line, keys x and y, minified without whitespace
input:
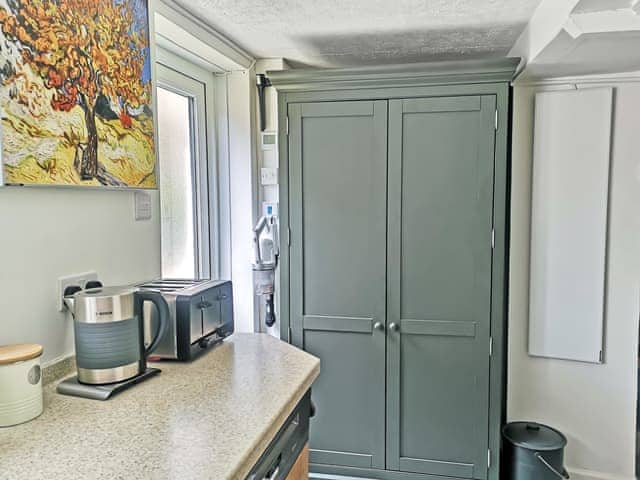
{"x":201,"y":316}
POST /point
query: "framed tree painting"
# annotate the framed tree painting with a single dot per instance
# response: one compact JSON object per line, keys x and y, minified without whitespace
{"x":76,"y":93}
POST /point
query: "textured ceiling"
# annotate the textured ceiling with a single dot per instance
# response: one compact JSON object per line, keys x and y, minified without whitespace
{"x":364,"y":32}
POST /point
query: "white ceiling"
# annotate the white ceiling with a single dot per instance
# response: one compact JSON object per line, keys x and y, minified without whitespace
{"x":587,"y":6}
{"x":323,"y":33}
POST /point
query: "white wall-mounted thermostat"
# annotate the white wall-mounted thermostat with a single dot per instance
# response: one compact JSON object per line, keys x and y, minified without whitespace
{"x":268,"y":140}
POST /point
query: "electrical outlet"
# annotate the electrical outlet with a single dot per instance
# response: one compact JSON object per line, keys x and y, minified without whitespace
{"x":270,"y":209}
{"x":80,"y":279}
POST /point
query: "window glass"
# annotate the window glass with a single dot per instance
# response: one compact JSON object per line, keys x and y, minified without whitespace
{"x":175,"y":134}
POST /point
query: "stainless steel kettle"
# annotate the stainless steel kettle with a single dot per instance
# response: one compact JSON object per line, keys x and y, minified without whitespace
{"x":109,"y":332}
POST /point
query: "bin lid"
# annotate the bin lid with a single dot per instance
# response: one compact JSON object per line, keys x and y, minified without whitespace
{"x":534,"y":436}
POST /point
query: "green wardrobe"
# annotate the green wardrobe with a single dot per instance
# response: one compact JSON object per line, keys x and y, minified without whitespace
{"x":393,"y":198}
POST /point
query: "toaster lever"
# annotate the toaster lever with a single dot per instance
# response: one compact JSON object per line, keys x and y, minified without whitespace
{"x":210,"y":340}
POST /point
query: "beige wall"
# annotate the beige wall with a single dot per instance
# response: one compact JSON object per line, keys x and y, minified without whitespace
{"x":46,"y":233}
{"x":594,"y":405}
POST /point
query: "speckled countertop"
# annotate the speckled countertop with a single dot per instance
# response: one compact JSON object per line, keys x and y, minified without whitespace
{"x":208,"y":419}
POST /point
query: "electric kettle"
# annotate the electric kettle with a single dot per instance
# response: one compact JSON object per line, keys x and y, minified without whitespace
{"x":109,"y":332}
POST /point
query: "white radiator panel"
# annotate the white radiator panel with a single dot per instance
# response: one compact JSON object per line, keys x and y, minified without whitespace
{"x":569,"y":223}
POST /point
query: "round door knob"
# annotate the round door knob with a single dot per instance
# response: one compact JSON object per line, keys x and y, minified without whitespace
{"x":394,"y":327}
{"x":378,"y":326}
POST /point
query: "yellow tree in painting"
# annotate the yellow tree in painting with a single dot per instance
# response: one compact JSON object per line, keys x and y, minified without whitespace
{"x":85,"y":51}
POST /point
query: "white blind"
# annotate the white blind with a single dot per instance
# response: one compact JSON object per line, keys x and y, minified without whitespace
{"x":569,"y":223}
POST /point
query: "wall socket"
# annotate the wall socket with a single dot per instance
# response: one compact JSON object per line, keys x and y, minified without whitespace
{"x":270,"y":209}
{"x":79,"y":279}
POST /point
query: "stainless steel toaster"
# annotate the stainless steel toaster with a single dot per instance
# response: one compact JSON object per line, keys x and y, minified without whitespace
{"x":201,"y":316}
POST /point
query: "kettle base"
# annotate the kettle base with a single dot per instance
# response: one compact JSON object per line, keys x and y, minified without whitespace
{"x":71,"y":386}
{"x":122,"y":373}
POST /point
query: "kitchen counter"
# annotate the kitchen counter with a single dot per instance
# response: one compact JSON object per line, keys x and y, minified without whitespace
{"x":208,"y":419}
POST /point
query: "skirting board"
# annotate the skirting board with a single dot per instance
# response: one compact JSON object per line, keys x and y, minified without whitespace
{"x":322,"y":476}
{"x":578,"y":474}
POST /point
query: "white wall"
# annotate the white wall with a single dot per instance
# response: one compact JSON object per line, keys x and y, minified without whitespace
{"x":243,"y":191}
{"x":46,"y":233}
{"x":269,"y":158}
{"x":268,"y":193}
{"x":594,"y":405}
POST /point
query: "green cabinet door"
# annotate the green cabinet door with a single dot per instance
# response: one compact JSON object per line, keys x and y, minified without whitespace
{"x":337,"y":177}
{"x":440,"y":181}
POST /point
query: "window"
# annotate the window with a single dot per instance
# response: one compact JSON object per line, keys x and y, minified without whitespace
{"x":177,"y":195}
{"x":186,"y":170}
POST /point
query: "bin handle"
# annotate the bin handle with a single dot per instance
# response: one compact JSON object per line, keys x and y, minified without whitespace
{"x":564,"y":473}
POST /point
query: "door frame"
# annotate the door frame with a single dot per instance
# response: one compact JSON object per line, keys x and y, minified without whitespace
{"x":416,"y":81}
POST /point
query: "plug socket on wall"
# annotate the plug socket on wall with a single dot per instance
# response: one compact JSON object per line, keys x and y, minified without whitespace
{"x":79,"y":279}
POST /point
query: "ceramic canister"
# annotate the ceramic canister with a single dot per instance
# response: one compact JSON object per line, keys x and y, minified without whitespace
{"x":20,"y":383}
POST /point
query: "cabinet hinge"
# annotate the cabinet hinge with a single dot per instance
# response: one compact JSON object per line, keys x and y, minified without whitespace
{"x":290,"y":335}
{"x":488,"y":459}
{"x":287,"y":126}
{"x":288,"y":237}
{"x":601,"y":357}
{"x":493,"y":239}
{"x":496,"y":121}
{"x":490,"y":346}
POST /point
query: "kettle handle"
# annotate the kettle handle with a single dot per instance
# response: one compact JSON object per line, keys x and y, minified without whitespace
{"x":158,"y":300}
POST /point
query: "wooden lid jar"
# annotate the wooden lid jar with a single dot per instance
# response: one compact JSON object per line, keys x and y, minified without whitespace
{"x":20,"y":383}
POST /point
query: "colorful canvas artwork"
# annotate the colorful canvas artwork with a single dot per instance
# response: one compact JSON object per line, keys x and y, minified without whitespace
{"x":76,"y":93}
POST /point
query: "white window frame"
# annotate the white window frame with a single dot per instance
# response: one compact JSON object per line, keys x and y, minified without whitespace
{"x":206,"y":178}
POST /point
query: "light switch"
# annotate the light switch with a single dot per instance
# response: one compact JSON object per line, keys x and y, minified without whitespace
{"x":269,"y":176}
{"x":142,"y":206}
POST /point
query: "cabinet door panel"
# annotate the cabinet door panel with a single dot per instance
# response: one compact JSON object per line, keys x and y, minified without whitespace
{"x":441,"y":158}
{"x":337,"y":153}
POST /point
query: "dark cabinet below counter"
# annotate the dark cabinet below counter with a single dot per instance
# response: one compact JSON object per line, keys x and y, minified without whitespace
{"x":284,"y":458}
